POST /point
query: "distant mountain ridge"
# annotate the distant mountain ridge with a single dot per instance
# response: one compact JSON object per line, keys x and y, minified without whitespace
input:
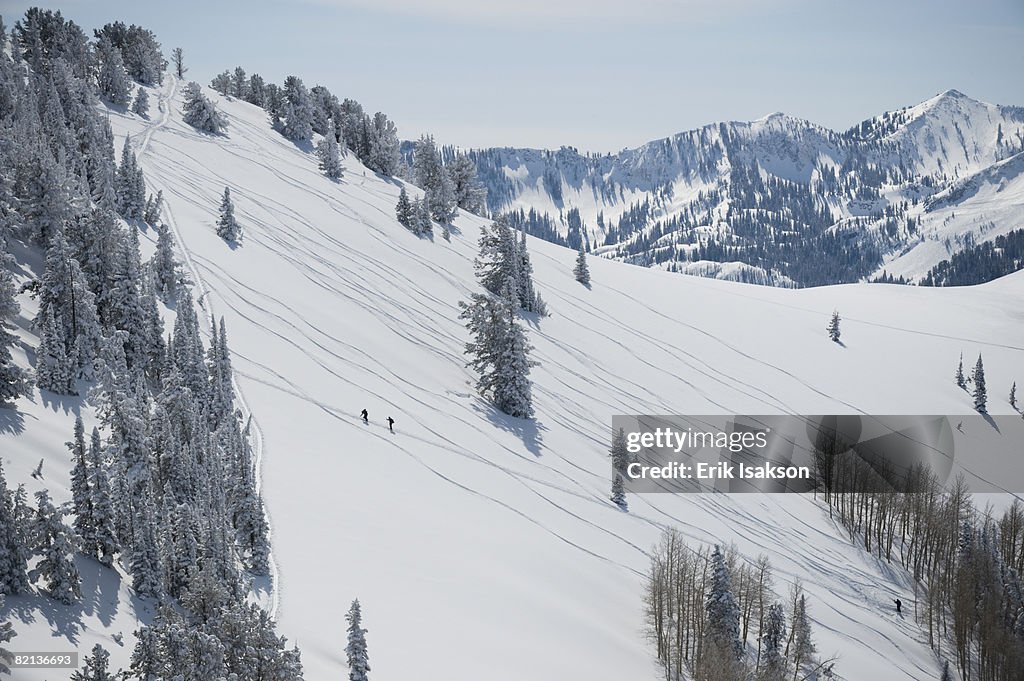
{"x":781,"y":200}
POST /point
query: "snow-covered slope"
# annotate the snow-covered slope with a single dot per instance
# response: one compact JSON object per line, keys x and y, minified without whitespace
{"x":482,"y":546}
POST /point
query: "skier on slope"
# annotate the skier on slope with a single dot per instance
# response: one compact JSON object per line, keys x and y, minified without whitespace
{"x":391,"y":424}
{"x":365,"y":415}
{"x":899,"y":606}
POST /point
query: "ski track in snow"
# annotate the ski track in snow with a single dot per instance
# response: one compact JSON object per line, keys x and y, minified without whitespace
{"x":207,"y":311}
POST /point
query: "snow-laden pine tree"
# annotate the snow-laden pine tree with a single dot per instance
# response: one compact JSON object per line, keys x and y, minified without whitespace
{"x":81,"y":496}
{"x":404,"y":209}
{"x":13,"y":380}
{"x":431,"y":176}
{"x":55,"y":545}
{"x":499,"y":351}
{"x":833,"y":327}
{"x":618,"y":491}
{"x":103,"y":515}
{"x":961,"y":379}
{"x":111,"y":79}
{"x":329,"y":153}
{"x":384,"y":146}
{"x":222,"y":83}
{"x":802,"y":648}
{"x":140,"y":106}
{"x":227,"y":227}
{"x":178,"y":61}
{"x":130,"y":185}
{"x":154,"y":204}
{"x":355,"y":651}
{"x":722,"y":634}
{"x":424,"y":223}
{"x":1013,"y":394}
{"x":773,"y":661}
{"x":56,"y":366}
{"x":470,"y":194}
{"x":163,"y":267}
{"x":298,"y":111}
{"x":619,"y":451}
{"x":582,"y":271}
{"x":6,"y":634}
{"x":200,"y":112}
{"x":14,"y":550}
{"x":96,"y":667}
{"x":512,"y":390}
{"x":239,"y":83}
{"x":980,"y":394}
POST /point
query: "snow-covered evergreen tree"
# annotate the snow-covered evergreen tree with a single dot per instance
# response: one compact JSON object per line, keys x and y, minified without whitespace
{"x":151,"y":213}
{"x":111,"y":79}
{"x":178,"y":60}
{"x":200,"y":112}
{"x":723,"y":627}
{"x":403,"y":209}
{"x":140,"y":106}
{"x":222,"y":83}
{"x":384,"y":146}
{"x":227,"y":227}
{"x":103,"y":515}
{"x":129,"y":185}
{"x":619,"y":451}
{"x":298,"y":111}
{"x":802,"y":647}
{"x":961,"y":379}
{"x":424,"y":223}
{"x":6,"y":634}
{"x":14,"y":550}
{"x":96,"y":667}
{"x":470,"y":194}
{"x":618,"y":491}
{"x":773,"y":661}
{"x":355,"y":651}
{"x":980,"y":394}
{"x":1013,"y":395}
{"x":329,"y":153}
{"x":833,"y":327}
{"x":239,"y":83}
{"x":56,"y":366}
{"x":81,"y":496}
{"x":581,"y":271}
{"x":55,"y":545}
{"x":13,"y":380}
{"x":163,"y":266}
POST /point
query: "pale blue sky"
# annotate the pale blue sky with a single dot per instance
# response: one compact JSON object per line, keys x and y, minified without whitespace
{"x":596,"y":74}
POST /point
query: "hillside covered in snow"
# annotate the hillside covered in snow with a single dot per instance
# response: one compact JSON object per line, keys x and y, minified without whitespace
{"x":479,"y":545}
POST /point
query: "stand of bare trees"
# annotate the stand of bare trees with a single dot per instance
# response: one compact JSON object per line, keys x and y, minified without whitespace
{"x":689,"y":610}
{"x":966,"y":562}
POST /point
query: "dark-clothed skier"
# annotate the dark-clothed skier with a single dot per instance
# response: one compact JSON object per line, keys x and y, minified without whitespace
{"x":391,"y":424}
{"x":899,"y":606}
{"x":366,"y":417}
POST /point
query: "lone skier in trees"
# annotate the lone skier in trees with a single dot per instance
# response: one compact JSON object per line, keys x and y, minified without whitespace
{"x":365,"y":416}
{"x":899,"y":606}
{"x":391,"y":424}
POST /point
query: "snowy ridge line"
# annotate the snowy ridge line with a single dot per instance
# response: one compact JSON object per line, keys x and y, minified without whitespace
{"x":257,"y":438}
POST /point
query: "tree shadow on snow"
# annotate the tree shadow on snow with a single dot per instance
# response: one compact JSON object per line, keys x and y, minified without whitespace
{"x":992,"y":422}
{"x":12,"y":421}
{"x":527,"y":430}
